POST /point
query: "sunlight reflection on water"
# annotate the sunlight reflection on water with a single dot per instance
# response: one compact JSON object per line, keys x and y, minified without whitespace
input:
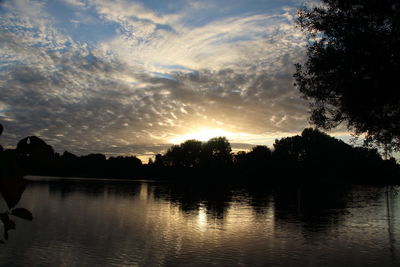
{"x":105,"y":223}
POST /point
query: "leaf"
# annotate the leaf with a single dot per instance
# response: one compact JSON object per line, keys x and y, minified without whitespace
{"x":7,"y":223}
{"x":11,"y":188}
{"x":22,"y":213}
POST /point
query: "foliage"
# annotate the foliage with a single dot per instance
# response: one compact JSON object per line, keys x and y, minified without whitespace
{"x":186,"y":154}
{"x":259,"y":156}
{"x":311,"y":145}
{"x":38,"y":158}
{"x":352,"y":70}
{"x":216,"y":152}
{"x":193,"y":153}
{"x":312,"y":156}
{"x":35,"y":147}
{"x":322,"y":157}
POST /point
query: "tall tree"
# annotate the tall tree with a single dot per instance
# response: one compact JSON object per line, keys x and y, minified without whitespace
{"x":216,"y":152}
{"x":186,"y":154}
{"x":352,"y":71}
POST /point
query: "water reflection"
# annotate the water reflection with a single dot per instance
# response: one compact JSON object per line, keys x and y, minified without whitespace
{"x":108,"y":223}
{"x":215,"y":200}
{"x":391,"y":194}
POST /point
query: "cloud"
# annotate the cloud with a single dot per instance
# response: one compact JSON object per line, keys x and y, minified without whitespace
{"x":212,"y":46}
{"x":158,"y":79}
{"x":126,"y":12}
{"x":77,"y":3}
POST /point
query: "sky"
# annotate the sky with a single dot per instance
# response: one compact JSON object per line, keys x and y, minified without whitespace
{"x":126,"y":77}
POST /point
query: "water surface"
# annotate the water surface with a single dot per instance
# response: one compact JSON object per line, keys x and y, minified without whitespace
{"x":119,"y":223}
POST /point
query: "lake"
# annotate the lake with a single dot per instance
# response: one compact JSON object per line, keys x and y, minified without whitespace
{"x":80,"y":222}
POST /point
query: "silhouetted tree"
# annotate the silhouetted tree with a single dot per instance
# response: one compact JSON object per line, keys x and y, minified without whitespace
{"x":240,"y":158}
{"x":323,"y":157}
{"x":93,"y":157}
{"x":289,"y":149}
{"x":68,"y":156}
{"x":313,"y":146}
{"x":253,"y":165}
{"x":191,"y":151}
{"x":260,"y":154}
{"x":185,"y":155}
{"x":216,"y":152}
{"x":313,"y":154}
{"x":34,"y":147}
{"x":159,"y":160}
{"x":258,"y":157}
{"x":352,"y":70}
{"x":123,"y":167}
{"x":124,"y":163}
{"x":34,"y":155}
{"x":174,"y":156}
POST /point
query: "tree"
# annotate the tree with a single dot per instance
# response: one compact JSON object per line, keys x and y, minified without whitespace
{"x":216,"y":152}
{"x":311,"y":146}
{"x":260,"y":154}
{"x":128,"y":162}
{"x":289,"y":149}
{"x":35,"y":147}
{"x":192,"y":150}
{"x":159,"y":161}
{"x":255,"y":162}
{"x":351,"y":74}
{"x":186,"y":154}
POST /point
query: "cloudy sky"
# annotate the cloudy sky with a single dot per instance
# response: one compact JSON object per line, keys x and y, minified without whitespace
{"x":132,"y":77}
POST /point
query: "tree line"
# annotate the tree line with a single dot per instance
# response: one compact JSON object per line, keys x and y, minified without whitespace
{"x":312,"y":156}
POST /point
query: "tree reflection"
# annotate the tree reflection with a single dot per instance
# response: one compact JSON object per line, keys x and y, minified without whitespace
{"x":215,"y":199}
{"x":390,"y":210}
{"x":66,"y":187}
{"x":315,"y":208}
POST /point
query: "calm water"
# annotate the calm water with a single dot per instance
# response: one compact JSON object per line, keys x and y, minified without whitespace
{"x":104,"y":223}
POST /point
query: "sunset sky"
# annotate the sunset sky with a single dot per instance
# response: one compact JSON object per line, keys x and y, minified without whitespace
{"x":132,"y":77}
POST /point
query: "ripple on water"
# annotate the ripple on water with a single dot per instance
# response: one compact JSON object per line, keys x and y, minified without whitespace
{"x":160,"y":225}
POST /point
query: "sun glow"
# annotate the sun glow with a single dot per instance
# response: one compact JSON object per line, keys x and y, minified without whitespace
{"x":203,"y":134}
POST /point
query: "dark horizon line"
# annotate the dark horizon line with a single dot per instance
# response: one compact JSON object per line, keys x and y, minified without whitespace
{"x":246,"y":147}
